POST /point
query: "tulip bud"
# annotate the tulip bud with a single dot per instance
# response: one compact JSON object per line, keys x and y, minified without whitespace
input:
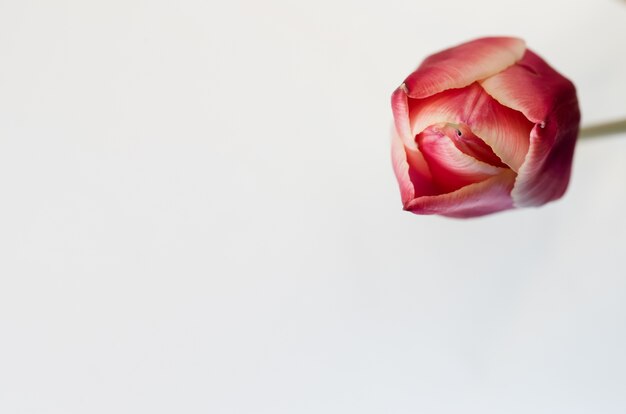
{"x":483,"y":127}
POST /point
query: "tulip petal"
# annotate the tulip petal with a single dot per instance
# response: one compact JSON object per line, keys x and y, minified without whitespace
{"x":451,"y":168}
{"x":549,"y":100}
{"x":485,"y":197}
{"x":400,"y":108}
{"x":401,"y":168}
{"x":466,"y":141}
{"x":546,"y":172}
{"x":412,"y":172}
{"x":464,"y":64}
{"x":505,"y":130}
{"x":530,"y":87}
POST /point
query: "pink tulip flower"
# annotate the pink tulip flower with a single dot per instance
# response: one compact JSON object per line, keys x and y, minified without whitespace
{"x":483,"y":127}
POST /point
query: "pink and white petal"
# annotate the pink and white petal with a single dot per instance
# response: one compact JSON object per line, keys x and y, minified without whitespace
{"x":545,"y":174}
{"x":549,"y":100}
{"x":443,"y":107}
{"x":400,"y":108}
{"x":411,"y":170}
{"x":506,"y":131}
{"x":450,"y":167}
{"x":531,"y":87}
{"x":468,"y":143}
{"x":486,"y":197}
{"x":464,"y":64}
{"x":401,"y":169}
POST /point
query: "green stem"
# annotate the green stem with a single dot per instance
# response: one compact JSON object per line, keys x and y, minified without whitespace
{"x":600,"y":130}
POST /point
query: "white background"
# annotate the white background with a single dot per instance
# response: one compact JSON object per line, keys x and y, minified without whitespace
{"x":198,"y":215}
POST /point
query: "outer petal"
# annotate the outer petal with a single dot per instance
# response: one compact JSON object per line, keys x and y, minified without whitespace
{"x":411,"y":171}
{"x":531,"y":87}
{"x":506,"y":131}
{"x":474,"y":200}
{"x":401,"y":168}
{"x":549,"y":100}
{"x":464,"y":64}
{"x":545,"y":174}
{"x":400,"y":108}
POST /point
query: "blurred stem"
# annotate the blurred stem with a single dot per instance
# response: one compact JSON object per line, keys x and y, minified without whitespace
{"x":600,"y":130}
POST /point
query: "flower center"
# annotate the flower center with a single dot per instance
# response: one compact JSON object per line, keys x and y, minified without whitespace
{"x":467,"y":142}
